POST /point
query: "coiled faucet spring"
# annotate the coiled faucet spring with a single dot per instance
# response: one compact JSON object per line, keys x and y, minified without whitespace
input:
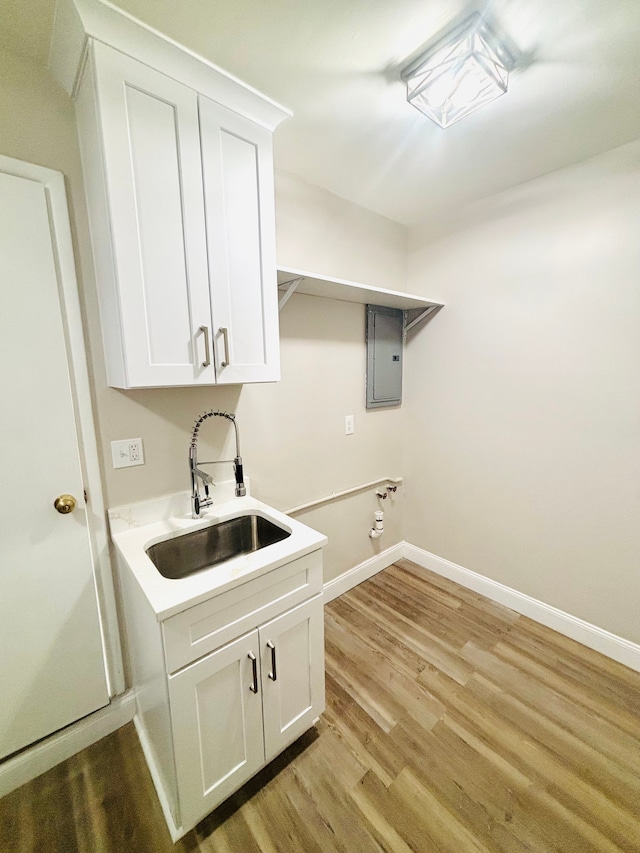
{"x":197,"y":474}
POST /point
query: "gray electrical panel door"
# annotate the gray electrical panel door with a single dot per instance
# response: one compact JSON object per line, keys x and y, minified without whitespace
{"x":384,"y":356}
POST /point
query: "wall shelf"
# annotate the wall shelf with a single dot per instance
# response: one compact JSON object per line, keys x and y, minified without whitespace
{"x":416,"y":308}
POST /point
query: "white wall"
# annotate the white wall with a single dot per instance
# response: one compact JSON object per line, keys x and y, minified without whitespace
{"x":292,"y":432}
{"x":30,"y":104}
{"x":523,"y":407}
{"x":293,"y":441}
{"x":520,"y":421}
{"x":320,"y":232}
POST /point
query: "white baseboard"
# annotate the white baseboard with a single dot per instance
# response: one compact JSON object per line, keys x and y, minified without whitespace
{"x":30,"y":763}
{"x":614,"y":647}
{"x":362,"y":572}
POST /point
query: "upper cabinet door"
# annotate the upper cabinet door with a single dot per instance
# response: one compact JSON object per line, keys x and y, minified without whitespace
{"x":140,"y":142}
{"x":239,"y":204}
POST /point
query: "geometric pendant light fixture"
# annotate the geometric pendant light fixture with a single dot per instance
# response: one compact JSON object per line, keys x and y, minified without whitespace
{"x":465,"y":70}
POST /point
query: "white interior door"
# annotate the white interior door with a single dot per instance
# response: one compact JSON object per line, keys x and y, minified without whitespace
{"x":52,"y":669}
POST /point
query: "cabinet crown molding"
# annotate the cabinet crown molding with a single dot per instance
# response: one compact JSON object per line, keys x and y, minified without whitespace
{"x":77,"y":21}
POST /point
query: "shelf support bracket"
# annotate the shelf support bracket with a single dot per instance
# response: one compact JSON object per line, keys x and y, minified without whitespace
{"x":289,"y":288}
{"x":421,"y":316}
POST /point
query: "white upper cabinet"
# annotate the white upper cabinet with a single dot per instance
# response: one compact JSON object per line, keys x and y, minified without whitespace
{"x":181,"y":207}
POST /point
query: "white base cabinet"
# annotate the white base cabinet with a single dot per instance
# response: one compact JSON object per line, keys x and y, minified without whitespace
{"x":227,"y":684}
{"x":236,"y":709}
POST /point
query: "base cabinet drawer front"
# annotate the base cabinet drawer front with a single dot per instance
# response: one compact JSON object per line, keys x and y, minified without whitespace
{"x":292,"y":654}
{"x":217,"y":726}
{"x":207,"y":626}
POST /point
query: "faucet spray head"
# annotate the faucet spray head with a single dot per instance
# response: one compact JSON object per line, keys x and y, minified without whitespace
{"x":241,"y":489}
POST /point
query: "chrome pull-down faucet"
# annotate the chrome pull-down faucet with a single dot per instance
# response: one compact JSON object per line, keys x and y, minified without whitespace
{"x":198,"y":475}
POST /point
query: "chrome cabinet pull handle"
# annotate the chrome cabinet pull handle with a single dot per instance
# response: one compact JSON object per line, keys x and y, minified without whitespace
{"x":254,"y":663}
{"x":273,"y":674}
{"x":225,"y":337}
{"x":207,"y":347}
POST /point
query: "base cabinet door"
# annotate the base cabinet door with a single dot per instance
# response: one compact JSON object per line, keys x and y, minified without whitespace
{"x":292,"y":653}
{"x":216,"y":712}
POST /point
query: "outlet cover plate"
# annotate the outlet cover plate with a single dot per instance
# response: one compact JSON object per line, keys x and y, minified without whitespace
{"x":127,"y":452}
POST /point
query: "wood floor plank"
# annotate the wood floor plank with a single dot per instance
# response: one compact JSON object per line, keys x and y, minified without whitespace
{"x":449,"y":833}
{"x":463,"y":595}
{"x":603,"y":691}
{"x":550,"y":825}
{"x":386,"y":643}
{"x":406,"y":695}
{"x":360,"y":734}
{"x":318,"y":777}
{"x":425,"y":612}
{"x":582,"y":724}
{"x":412,"y":829}
{"x":433,"y":649}
{"x":480,"y":612}
{"x":464,"y":780}
{"x":596,"y":790}
{"x":581,"y":780}
{"x":453,"y":725}
{"x":383,"y":829}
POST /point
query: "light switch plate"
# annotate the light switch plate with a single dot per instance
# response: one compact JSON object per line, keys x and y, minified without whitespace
{"x":127,"y":452}
{"x":349,"y":425}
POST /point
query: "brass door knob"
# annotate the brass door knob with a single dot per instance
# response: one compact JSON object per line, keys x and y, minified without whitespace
{"x":65,"y":504}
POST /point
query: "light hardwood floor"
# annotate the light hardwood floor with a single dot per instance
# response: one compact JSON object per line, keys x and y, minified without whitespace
{"x":452,"y":724}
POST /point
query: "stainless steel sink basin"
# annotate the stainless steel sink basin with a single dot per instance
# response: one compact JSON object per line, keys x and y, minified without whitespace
{"x":183,"y":555}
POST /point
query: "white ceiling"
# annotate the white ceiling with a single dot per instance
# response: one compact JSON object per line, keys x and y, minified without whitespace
{"x":336,"y":64}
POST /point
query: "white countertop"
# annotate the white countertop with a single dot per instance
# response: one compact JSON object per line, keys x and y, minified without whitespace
{"x":137,"y":526}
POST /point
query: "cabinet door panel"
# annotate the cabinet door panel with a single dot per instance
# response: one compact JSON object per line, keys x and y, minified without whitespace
{"x":153,"y":141}
{"x":154,"y":187}
{"x":217,"y":727}
{"x":238,"y":181}
{"x":293,"y":700}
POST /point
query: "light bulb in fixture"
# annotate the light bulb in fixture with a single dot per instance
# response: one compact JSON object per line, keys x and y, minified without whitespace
{"x":462,"y":72}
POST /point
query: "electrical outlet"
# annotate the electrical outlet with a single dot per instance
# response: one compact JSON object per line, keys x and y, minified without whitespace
{"x":349,"y":425}
{"x":127,"y":452}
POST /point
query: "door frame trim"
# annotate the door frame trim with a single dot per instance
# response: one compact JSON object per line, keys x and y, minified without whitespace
{"x":53,"y":184}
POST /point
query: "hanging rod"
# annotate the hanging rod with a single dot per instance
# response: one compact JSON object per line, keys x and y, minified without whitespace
{"x":336,"y":495}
